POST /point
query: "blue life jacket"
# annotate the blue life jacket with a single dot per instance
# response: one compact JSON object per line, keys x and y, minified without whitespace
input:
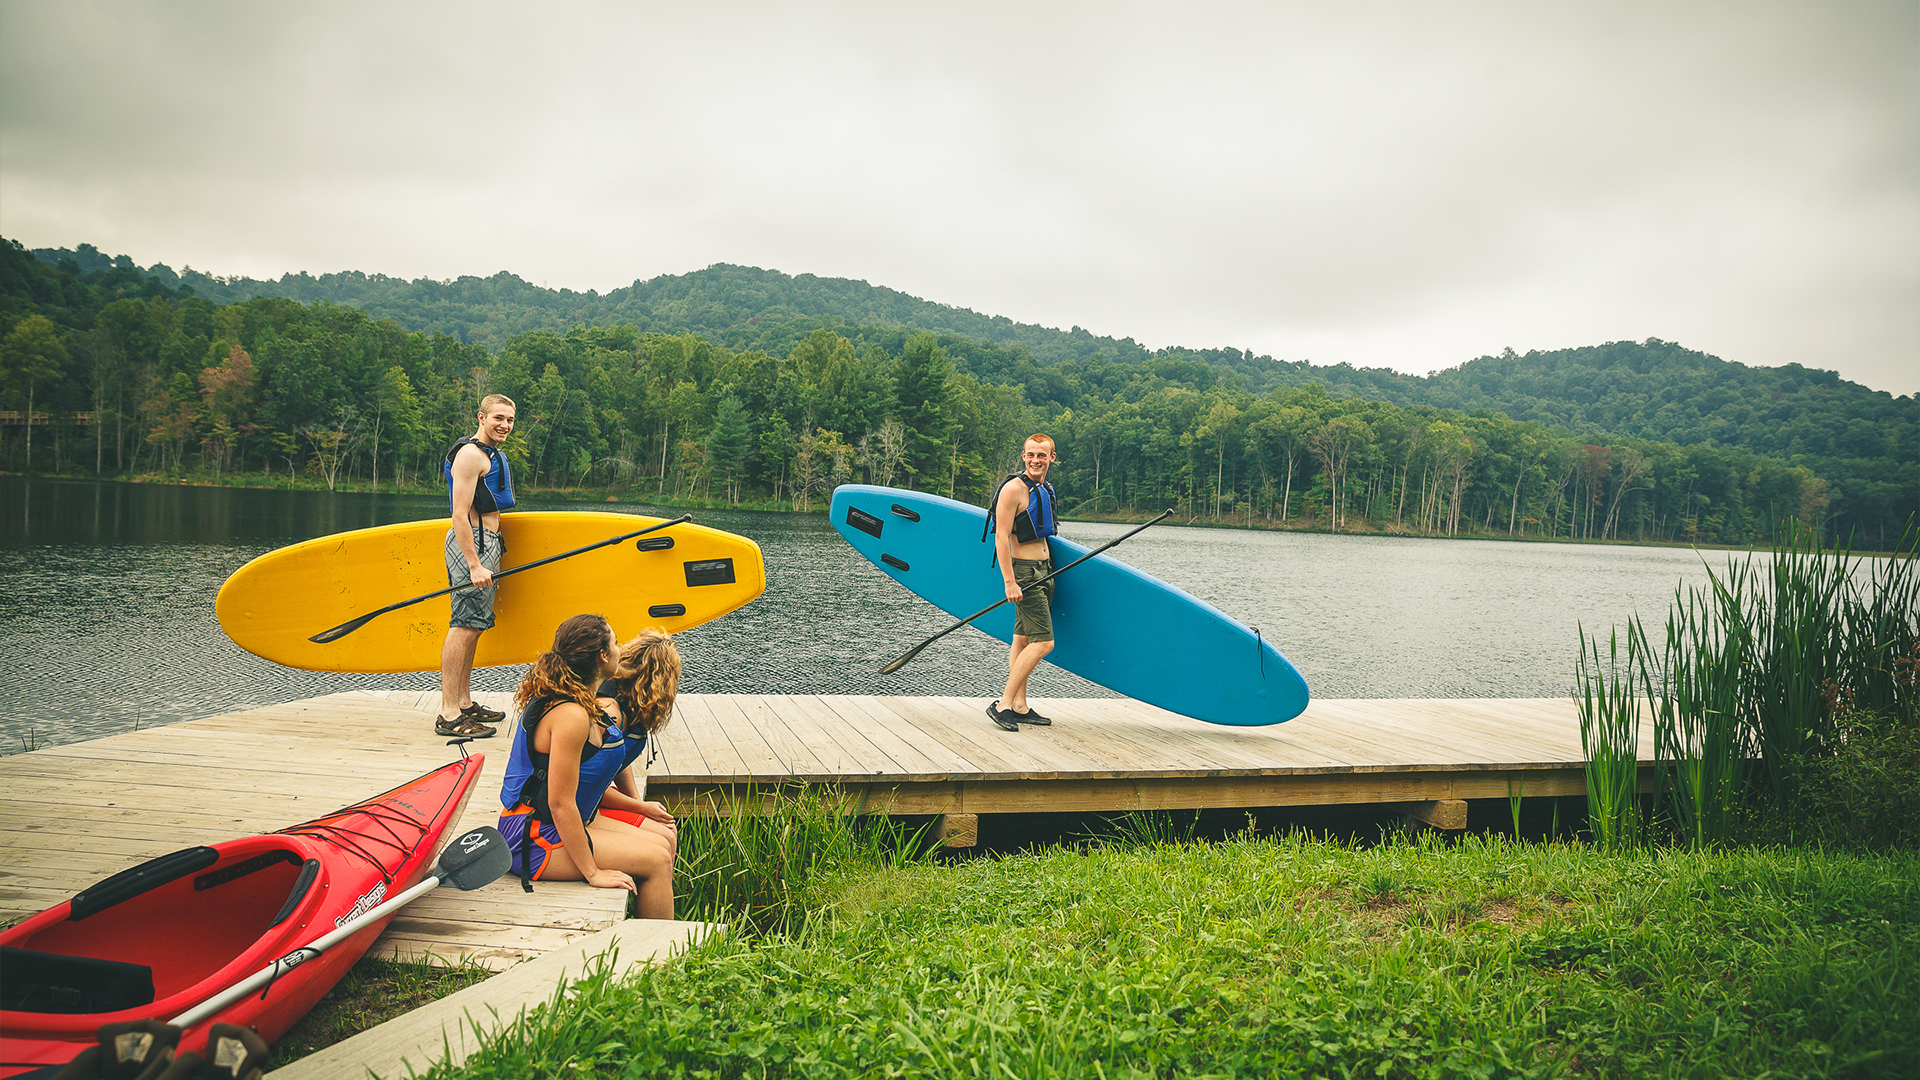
{"x":494,"y":492}
{"x":526,"y":781}
{"x":1036,"y":522}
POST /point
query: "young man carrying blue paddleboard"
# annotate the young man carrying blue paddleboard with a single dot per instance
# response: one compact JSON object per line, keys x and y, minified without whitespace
{"x":1022,"y":517}
{"x":479,"y":487}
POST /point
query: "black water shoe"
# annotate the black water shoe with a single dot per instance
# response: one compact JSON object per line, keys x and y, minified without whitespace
{"x":1030,"y":717}
{"x":1003,"y":718}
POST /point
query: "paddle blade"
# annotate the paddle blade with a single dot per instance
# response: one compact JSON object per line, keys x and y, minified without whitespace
{"x":327,"y":637}
{"x":475,"y":859}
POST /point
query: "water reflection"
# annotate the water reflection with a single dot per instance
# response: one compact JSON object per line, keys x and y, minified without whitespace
{"x":106,"y":607}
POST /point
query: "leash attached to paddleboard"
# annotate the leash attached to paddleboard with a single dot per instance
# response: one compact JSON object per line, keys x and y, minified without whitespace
{"x":915,"y":651}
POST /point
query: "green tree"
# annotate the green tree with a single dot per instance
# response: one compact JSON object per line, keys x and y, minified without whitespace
{"x":923,"y":407}
{"x":226,"y":407}
{"x":728,"y":444}
{"x":31,"y":356}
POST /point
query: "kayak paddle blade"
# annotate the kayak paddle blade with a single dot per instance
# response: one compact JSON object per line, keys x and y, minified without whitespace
{"x":475,"y":859}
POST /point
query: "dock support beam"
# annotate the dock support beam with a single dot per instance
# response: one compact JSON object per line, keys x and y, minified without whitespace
{"x":957,"y":830}
{"x":1448,"y":814}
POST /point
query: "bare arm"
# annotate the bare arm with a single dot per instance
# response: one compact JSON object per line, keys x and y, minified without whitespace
{"x":567,"y":727}
{"x":469,"y":465}
{"x":1005,"y":508}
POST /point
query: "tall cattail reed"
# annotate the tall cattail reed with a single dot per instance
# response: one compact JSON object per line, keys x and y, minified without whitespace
{"x":1754,"y":672}
{"x":756,"y":856}
{"x":1797,"y":632}
{"x":1610,"y":736}
{"x":1883,"y":639}
{"x":1702,"y":748}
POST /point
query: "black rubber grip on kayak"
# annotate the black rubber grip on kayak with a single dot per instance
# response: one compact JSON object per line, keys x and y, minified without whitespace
{"x":301,"y":884}
{"x":242,"y":868}
{"x":905,"y":513}
{"x":653,"y":543}
{"x":128,"y":884}
{"x":897,"y":564}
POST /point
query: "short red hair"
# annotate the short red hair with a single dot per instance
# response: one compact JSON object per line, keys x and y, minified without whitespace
{"x":1040,"y":437}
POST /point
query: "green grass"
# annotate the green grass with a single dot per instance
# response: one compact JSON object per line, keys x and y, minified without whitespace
{"x":1286,"y":957}
{"x":371,"y":993}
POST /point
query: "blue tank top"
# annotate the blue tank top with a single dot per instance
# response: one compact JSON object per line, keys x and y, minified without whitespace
{"x":494,"y":492}
{"x":599,"y":765}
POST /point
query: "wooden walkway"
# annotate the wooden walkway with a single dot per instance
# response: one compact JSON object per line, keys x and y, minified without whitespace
{"x":70,"y":815}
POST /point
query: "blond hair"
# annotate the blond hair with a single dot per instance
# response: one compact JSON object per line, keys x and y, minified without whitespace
{"x":648,"y":680}
{"x":495,"y":399}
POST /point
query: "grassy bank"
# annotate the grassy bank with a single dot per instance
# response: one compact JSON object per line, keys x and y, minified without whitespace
{"x":1287,"y":957}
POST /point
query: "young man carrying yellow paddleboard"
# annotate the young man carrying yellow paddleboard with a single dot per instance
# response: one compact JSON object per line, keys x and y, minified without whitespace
{"x":479,"y":487}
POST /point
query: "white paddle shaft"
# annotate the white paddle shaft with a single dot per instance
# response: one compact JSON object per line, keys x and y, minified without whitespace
{"x":301,"y":955}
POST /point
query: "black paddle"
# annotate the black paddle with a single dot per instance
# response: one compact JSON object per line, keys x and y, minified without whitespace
{"x":915,"y":651}
{"x":325,"y":637}
{"x":473,"y":859}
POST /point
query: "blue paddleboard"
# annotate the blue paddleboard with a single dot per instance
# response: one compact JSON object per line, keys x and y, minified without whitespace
{"x":1128,"y":631}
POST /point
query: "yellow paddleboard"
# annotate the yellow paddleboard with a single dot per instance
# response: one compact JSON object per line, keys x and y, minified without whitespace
{"x":676,"y":578}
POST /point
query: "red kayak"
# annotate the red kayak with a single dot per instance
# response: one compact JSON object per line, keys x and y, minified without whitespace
{"x":153,"y":941}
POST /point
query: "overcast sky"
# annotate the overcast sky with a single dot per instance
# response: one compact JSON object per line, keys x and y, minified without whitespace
{"x":1407,"y":185}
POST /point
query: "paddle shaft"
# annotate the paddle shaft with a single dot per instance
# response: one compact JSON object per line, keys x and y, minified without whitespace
{"x":309,"y":951}
{"x":325,"y":637}
{"x":915,"y":651}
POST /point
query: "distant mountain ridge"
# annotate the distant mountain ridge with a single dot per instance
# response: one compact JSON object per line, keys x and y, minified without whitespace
{"x":1652,"y":389}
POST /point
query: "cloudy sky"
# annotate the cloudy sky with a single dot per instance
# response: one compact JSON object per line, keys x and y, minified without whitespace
{"x":1401,"y":184}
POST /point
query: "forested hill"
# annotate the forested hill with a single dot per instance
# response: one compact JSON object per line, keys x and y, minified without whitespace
{"x":1654,"y":390}
{"x":769,"y":387}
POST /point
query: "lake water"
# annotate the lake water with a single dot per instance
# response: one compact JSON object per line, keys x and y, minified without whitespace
{"x":106,"y":607}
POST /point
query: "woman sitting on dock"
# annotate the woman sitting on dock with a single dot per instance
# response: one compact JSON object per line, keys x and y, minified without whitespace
{"x":640,"y":700}
{"x":564,"y":758}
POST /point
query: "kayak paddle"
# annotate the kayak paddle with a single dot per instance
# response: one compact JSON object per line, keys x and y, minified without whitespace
{"x":335,"y":634}
{"x":915,"y":651}
{"x":473,"y":859}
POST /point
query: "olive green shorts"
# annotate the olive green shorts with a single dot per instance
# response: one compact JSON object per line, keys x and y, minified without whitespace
{"x":1033,"y":612}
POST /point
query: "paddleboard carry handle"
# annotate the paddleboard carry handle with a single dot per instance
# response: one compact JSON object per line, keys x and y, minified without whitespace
{"x":333,"y":634}
{"x":907,"y":658}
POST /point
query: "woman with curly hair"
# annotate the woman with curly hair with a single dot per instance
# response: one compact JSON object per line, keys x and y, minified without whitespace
{"x":640,"y":698}
{"x":564,"y":758}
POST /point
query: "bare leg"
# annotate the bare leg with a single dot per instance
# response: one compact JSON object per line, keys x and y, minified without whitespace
{"x":664,"y":832}
{"x":1022,"y":657}
{"x":456,"y":669}
{"x":620,"y":846}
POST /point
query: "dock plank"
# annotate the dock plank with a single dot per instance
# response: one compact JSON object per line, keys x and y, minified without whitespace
{"x":72,"y":814}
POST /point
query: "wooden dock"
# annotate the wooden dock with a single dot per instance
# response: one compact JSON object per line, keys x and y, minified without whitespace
{"x":70,"y":815}
{"x":942,"y":756}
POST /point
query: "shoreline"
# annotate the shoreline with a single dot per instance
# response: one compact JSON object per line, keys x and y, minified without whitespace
{"x":587,"y":497}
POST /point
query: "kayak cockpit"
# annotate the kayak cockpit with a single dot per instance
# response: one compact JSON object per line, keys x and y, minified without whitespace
{"x":160,"y":929}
